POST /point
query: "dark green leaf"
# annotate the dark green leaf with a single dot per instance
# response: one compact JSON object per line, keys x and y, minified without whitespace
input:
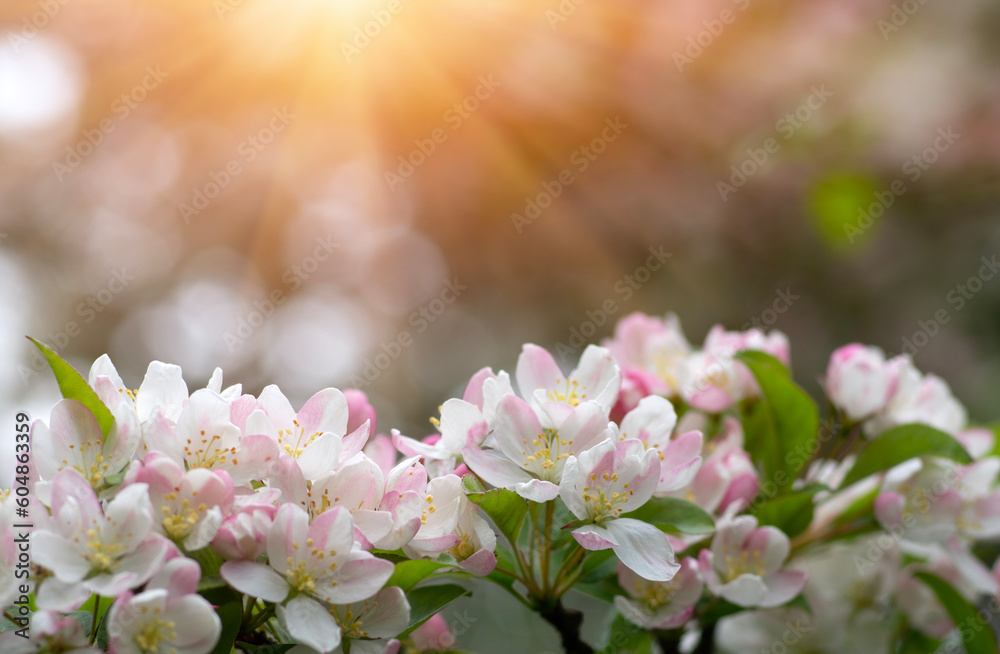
{"x":428,"y":600}
{"x":623,"y":637}
{"x":274,"y":648}
{"x":902,"y":444}
{"x":410,"y":573}
{"x":598,"y":565}
{"x":210,"y":582}
{"x":977,"y":637}
{"x":231,"y":615}
{"x":782,"y":428}
{"x":504,"y":507}
{"x":74,"y":387}
{"x":85,"y":618}
{"x":666,"y":512}
{"x":791,"y":514}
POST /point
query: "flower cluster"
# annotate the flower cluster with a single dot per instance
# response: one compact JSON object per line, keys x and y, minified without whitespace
{"x":694,"y":489}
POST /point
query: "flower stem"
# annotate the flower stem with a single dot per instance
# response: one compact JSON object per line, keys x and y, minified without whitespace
{"x":93,"y":626}
{"x":550,"y":508}
{"x":261,"y":618}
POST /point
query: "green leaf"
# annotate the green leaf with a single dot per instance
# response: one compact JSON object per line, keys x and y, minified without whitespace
{"x":782,"y":429}
{"x":265,"y":649}
{"x":791,"y":514}
{"x":902,"y":444}
{"x":428,"y":600}
{"x":505,"y":507}
{"x":211,"y":582}
{"x":231,"y":615}
{"x":623,"y":636}
{"x":977,"y":637}
{"x":598,"y":565}
{"x":74,"y":387}
{"x":410,"y":573}
{"x":85,"y":618}
{"x":670,"y":512}
{"x":7,"y":625}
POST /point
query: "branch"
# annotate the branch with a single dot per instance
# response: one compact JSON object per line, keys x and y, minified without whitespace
{"x":567,"y":622}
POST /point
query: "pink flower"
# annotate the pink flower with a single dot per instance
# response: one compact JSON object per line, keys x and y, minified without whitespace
{"x":601,"y":484}
{"x":189,"y":506}
{"x":316,"y":437}
{"x":651,"y":352}
{"x":307,"y":565}
{"x":744,"y":564}
{"x":596,"y":378}
{"x":462,"y":424}
{"x":727,"y":474}
{"x":359,"y":411}
{"x":432,"y":635}
{"x":379,"y":449}
{"x":73,"y":440}
{"x":652,"y":422}
{"x":204,"y":437}
{"x":940,"y":499}
{"x":916,"y":398}
{"x":49,"y":632}
{"x":659,"y":604}
{"x":93,"y":551}
{"x":857,"y":381}
{"x":530,"y":453}
{"x":168,"y":616}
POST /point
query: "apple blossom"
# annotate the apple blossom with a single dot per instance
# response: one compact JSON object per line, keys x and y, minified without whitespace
{"x":601,"y":484}
{"x":316,"y":437}
{"x":168,"y":616}
{"x":307,"y":565}
{"x":727,"y":474}
{"x":73,"y":439}
{"x":204,"y":437}
{"x":659,"y":604}
{"x":929,"y":500}
{"x":432,"y":635}
{"x":597,"y":378}
{"x":188,"y":506}
{"x":652,"y":422}
{"x":50,"y":632}
{"x":744,"y":564}
{"x":857,"y":381}
{"x":651,"y":352}
{"x":531,"y":452}
{"x":462,"y":425}
{"x":94,"y":551}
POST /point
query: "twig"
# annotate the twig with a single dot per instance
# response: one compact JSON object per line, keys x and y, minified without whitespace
{"x":567,"y":622}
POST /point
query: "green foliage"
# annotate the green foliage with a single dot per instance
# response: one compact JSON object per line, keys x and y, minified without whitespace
{"x":231,"y":615}
{"x":790,"y":513}
{"x":74,"y":387}
{"x":977,"y":637}
{"x":781,"y":429}
{"x":624,"y":637}
{"x":504,"y":507}
{"x":902,"y":444}
{"x":410,"y":573}
{"x":672,"y":514}
{"x":428,"y":600}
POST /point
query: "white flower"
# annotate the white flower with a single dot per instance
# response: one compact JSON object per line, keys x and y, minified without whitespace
{"x":94,"y":551}
{"x":168,"y":616}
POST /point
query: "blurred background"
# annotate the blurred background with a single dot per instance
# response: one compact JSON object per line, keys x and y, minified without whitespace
{"x":392,"y":195}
